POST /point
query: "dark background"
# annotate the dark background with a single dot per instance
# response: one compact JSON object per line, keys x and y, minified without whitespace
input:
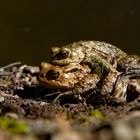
{"x":29,"y":28}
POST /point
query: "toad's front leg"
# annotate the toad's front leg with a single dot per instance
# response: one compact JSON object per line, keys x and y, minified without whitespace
{"x":86,"y":84}
{"x":99,"y":66}
{"x":106,"y":86}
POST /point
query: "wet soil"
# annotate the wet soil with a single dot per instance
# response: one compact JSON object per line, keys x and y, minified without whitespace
{"x":22,"y":98}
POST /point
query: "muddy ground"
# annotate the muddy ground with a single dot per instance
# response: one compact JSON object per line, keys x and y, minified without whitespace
{"x":27,"y":112}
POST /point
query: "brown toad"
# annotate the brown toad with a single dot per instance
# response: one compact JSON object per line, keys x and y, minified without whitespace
{"x":70,"y":79}
{"x":62,"y":78}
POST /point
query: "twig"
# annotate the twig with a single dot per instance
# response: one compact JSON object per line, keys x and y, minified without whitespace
{"x":2,"y":69}
{"x":10,"y":65}
{"x":49,"y":95}
{"x":4,"y":73}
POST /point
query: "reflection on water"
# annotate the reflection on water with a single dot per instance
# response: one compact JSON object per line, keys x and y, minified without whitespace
{"x":29,"y":28}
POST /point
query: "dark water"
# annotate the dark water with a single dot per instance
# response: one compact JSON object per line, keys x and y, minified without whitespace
{"x":28,"y":28}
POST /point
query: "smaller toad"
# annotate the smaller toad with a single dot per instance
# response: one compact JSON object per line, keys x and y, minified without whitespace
{"x":78,"y":81}
{"x":62,"y":78}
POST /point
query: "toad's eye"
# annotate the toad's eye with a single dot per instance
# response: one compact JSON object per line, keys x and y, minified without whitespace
{"x":62,"y":54}
{"x":50,"y":75}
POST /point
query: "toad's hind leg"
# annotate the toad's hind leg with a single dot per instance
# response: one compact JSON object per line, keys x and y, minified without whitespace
{"x":127,"y":90}
{"x":132,"y":72}
{"x":128,"y":61}
{"x":133,"y":89}
{"x":127,"y":86}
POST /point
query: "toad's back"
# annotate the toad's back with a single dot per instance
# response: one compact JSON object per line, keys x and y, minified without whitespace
{"x":103,"y":49}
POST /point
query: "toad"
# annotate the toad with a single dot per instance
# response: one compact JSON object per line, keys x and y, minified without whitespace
{"x":100,"y":56}
{"x":62,"y":78}
{"x":73,"y":80}
{"x":105,"y":60}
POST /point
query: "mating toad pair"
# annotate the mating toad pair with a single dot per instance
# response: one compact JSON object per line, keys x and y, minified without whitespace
{"x":95,"y":66}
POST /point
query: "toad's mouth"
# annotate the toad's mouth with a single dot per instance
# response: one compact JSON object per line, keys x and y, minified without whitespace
{"x":64,"y":62}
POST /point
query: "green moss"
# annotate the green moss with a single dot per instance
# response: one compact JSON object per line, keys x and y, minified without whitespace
{"x":6,"y":80}
{"x":13,"y":126}
{"x":84,"y":118}
{"x":98,"y":114}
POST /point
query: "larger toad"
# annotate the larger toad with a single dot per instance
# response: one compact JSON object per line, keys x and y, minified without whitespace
{"x":100,"y":56}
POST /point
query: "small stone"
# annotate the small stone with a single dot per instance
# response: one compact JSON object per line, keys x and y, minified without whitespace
{"x":32,"y":69}
{"x":1,"y":99}
{"x":43,"y":103}
{"x":11,"y":115}
{"x":67,"y":136}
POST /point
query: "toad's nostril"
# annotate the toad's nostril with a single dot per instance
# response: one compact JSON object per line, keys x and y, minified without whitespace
{"x":52,"y":75}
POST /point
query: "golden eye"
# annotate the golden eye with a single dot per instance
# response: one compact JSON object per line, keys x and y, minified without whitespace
{"x":52,"y":75}
{"x":64,"y":54}
{"x":74,"y":70}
